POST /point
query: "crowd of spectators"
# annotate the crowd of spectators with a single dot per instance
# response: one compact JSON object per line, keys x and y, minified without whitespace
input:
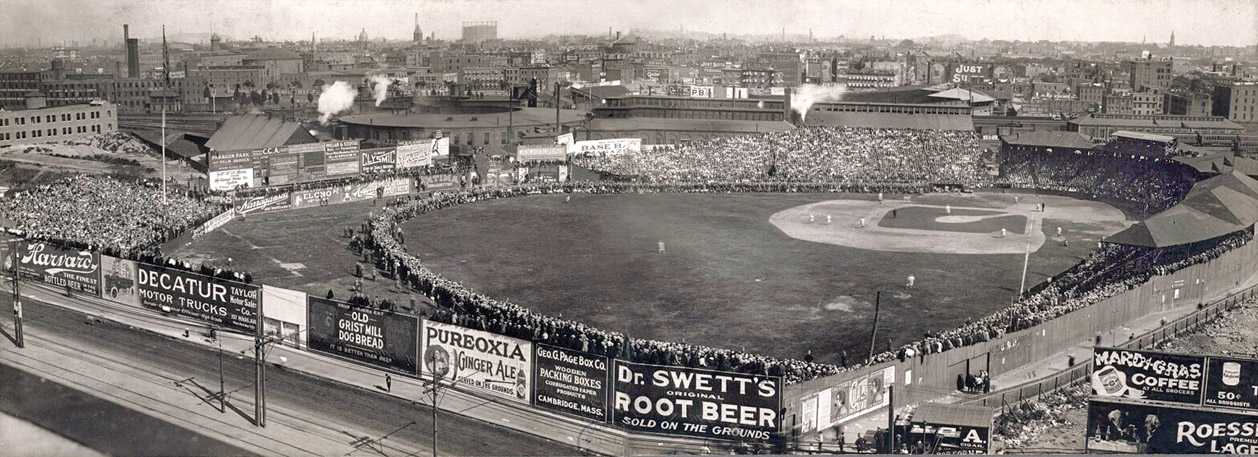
{"x":99,"y":212}
{"x":809,"y":154}
{"x":1108,"y":271}
{"x":1155,"y":184}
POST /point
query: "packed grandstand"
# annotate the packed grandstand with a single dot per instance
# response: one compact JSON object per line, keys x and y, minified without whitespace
{"x":127,"y":218}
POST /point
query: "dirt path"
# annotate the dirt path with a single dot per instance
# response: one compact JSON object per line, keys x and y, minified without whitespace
{"x":808,"y":223}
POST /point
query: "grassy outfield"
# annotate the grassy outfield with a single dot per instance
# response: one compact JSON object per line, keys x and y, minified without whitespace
{"x":728,"y":277}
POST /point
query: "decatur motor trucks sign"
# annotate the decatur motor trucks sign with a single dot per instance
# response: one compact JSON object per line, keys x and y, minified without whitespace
{"x":226,"y":303}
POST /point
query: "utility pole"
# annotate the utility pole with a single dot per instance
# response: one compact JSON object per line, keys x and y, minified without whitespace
{"x":222,"y":392}
{"x":891,"y":418}
{"x":557,"y":128}
{"x":17,"y":300}
{"x":434,"y":415}
{"x":873,"y":334}
{"x":165,"y":97}
{"x":259,"y":355}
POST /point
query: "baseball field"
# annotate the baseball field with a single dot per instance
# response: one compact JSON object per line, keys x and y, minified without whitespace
{"x":766,"y":272}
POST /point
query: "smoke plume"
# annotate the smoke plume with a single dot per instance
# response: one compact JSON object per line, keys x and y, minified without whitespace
{"x":807,"y":94}
{"x":380,"y":87}
{"x":335,"y":98}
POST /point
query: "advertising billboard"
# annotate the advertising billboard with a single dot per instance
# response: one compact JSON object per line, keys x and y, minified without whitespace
{"x":341,"y":157}
{"x":61,"y":267}
{"x":231,"y":179}
{"x":610,"y":147}
{"x":311,"y":198}
{"x":118,"y":281}
{"x":570,"y":382}
{"x":1154,"y":429}
{"x":439,"y":147}
{"x":263,"y":204}
{"x":394,"y":187}
{"x":1147,"y":375}
{"x":951,"y":439}
{"x":526,"y":153}
{"x":1232,"y":383}
{"x":214,"y":223}
{"x":373,"y":337}
{"x":482,"y":361}
{"x":696,"y":402}
{"x":565,"y":139}
{"x":411,"y":154}
{"x":857,"y":397}
{"x":230,"y":160}
{"x":701,"y":91}
{"x":229,"y":304}
{"x":379,"y":160}
{"x":964,"y":73}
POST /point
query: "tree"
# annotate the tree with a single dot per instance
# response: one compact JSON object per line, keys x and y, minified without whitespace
{"x":275,"y":98}
{"x":907,"y":44}
{"x":318,"y":83}
{"x":255,"y":97}
{"x":309,"y":97}
{"x":206,"y":92}
{"x":249,"y":84}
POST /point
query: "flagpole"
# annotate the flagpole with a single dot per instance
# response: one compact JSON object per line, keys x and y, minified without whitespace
{"x":165,"y":89}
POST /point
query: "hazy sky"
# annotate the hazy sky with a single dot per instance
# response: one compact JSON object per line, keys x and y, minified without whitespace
{"x":1205,"y":22}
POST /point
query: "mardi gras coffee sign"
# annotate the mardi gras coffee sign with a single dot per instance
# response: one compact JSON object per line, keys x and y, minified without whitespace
{"x":1147,"y":375}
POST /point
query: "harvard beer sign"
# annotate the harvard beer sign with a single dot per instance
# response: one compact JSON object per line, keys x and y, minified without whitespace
{"x":61,"y":267}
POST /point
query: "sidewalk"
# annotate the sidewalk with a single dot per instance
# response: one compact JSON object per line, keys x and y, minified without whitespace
{"x":1046,"y":368}
{"x":279,"y":440}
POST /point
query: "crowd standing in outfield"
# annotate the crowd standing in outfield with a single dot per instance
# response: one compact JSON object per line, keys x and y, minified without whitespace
{"x":128,"y":217}
{"x":1107,"y":272}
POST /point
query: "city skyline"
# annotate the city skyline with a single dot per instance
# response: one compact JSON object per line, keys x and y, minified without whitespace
{"x":1229,"y":23}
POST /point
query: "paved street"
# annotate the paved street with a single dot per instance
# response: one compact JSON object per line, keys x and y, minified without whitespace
{"x":173,"y":380}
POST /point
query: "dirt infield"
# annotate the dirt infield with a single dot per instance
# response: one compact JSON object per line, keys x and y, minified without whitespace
{"x":932,"y":235}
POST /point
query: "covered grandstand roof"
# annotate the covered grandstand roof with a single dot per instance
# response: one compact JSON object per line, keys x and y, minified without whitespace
{"x":255,"y":131}
{"x":891,"y":120}
{"x":1143,"y":136}
{"x":1221,"y":163}
{"x":972,"y":96}
{"x":1067,"y":140}
{"x":1214,"y":207}
{"x":1151,"y":121}
{"x":604,"y":125}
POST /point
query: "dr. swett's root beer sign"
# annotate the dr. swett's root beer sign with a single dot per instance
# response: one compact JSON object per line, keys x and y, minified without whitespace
{"x":226,"y":303}
{"x":696,"y":402}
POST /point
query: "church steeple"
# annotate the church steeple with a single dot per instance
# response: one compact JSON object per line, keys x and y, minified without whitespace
{"x":1172,"y":38}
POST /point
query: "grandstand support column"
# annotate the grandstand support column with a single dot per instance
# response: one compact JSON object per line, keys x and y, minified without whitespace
{"x":17,"y":301}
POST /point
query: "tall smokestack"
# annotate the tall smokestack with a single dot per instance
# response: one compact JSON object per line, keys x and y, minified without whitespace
{"x":132,"y":47}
